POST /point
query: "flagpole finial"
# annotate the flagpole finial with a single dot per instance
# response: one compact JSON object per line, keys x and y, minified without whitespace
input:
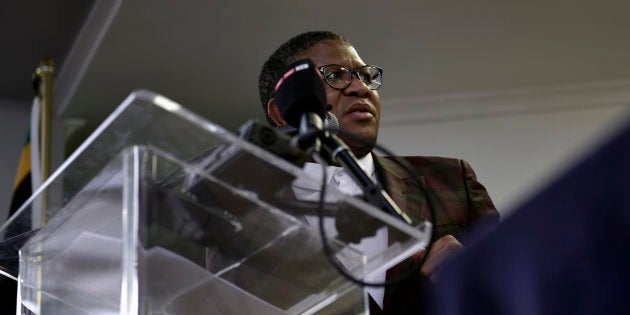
{"x":44,"y":71}
{"x":46,"y":66}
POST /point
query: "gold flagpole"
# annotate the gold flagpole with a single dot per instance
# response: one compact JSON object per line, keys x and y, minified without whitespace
{"x":45,"y":73}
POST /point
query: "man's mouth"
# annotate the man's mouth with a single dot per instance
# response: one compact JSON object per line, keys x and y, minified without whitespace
{"x":359,"y":111}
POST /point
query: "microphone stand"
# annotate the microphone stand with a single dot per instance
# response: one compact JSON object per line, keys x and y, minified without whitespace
{"x":312,"y":135}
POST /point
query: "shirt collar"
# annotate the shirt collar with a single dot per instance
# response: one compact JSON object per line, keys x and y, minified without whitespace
{"x":314,"y":171}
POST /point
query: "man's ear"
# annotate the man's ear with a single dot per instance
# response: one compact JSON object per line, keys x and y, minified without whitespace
{"x":274,"y":113}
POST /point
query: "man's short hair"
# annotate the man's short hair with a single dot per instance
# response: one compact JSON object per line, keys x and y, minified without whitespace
{"x":274,"y":67}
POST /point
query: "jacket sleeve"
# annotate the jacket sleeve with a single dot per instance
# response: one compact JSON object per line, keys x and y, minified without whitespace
{"x":481,"y":209}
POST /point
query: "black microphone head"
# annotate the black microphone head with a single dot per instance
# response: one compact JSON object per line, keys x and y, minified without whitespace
{"x":300,"y":90}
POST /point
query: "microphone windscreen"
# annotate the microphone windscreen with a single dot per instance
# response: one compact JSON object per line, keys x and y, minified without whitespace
{"x":300,"y":90}
{"x":331,"y":123}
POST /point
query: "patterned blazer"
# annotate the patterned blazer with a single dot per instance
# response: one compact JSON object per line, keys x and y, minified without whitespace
{"x":458,"y":200}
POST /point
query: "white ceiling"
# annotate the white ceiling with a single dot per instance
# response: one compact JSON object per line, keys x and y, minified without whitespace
{"x":206,"y":55}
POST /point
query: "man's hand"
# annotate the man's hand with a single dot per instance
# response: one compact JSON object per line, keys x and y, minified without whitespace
{"x":441,"y":249}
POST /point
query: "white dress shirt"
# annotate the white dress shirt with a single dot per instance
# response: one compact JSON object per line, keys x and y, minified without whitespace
{"x":340,"y":180}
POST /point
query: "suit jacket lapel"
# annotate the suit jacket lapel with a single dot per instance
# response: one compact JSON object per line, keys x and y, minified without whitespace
{"x":404,"y":190}
{"x":402,"y":187}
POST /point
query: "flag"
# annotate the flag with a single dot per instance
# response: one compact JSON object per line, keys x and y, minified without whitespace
{"x":27,"y":180}
{"x":22,"y":188}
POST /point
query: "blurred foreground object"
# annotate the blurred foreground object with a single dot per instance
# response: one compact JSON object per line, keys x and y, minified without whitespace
{"x":563,"y":252}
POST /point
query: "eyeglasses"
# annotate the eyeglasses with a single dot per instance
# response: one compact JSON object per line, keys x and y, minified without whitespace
{"x":339,"y":77}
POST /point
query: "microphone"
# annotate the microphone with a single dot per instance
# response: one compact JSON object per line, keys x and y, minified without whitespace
{"x":331,"y":123}
{"x":300,"y":90}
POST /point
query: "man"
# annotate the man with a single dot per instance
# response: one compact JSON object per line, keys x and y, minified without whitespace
{"x":351,"y":93}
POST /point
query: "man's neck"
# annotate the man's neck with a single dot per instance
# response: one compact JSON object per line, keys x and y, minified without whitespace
{"x":360,"y":152}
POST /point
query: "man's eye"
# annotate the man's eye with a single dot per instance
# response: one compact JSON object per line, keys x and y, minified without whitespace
{"x":365,"y":77}
{"x":334,"y":76}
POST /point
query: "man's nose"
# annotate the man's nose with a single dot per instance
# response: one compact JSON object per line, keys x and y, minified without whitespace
{"x":357,"y":87}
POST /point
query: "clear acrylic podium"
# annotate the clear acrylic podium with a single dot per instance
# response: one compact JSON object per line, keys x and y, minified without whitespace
{"x":163,"y":212}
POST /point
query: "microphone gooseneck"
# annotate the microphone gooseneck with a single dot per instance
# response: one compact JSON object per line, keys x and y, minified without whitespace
{"x":330,"y":124}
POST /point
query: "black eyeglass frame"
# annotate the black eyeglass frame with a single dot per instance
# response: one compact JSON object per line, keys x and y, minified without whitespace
{"x":353,"y":73}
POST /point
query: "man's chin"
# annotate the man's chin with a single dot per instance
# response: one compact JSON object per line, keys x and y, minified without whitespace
{"x":361,"y":144}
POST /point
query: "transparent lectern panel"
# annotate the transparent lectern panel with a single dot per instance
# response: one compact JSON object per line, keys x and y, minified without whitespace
{"x":257,"y":258}
{"x":195,"y":219}
{"x":255,"y":235}
{"x":73,"y":265}
{"x":144,"y":118}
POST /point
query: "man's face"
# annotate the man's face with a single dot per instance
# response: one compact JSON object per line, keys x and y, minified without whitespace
{"x":357,"y":108}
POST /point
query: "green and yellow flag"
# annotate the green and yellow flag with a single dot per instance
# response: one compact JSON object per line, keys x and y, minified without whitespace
{"x":22,"y":189}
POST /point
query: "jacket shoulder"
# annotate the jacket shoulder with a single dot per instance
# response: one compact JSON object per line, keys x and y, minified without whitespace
{"x":435,"y":165}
